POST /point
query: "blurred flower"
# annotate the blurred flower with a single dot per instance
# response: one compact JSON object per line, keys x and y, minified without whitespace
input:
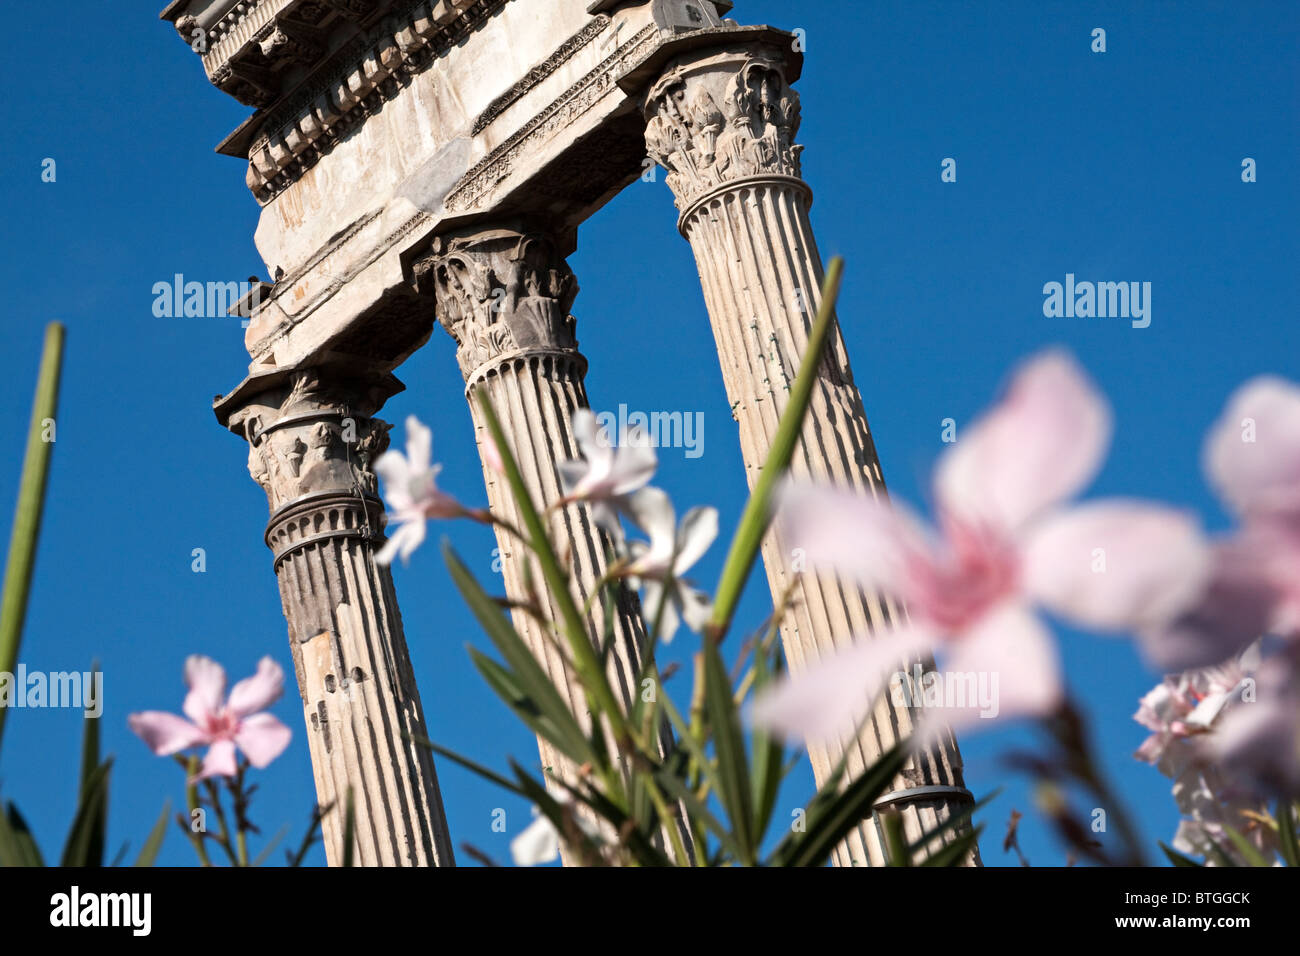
{"x":1257,"y":745}
{"x":1003,"y":545}
{"x":607,"y":473}
{"x":540,"y":841}
{"x":1252,"y":458}
{"x":656,"y":567}
{"x":411,"y":492}
{"x":219,"y":723}
{"x":1187,"y":714}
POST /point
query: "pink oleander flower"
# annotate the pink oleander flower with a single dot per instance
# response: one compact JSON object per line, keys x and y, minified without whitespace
{"x":657,"y":567}
{"x":411,"y":492}
{"x":1187,"y":714}
{"x":221,"y":724}
{"x":1252,"y":459}
{"x":607,"y":473}
{"x":1004,"y":545}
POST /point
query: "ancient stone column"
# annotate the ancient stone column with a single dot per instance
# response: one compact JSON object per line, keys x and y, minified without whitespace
{"x":504,"y":295}
{"x":722,"y":122}
{"x":313,"y":444}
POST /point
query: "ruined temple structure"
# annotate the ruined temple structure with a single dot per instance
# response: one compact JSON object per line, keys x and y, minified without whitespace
{"x":423,"y":162}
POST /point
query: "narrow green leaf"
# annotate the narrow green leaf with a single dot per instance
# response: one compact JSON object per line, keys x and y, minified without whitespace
{"x":89,"y":744}
{"x":490,"y":775}
{"x":349,"y":829}
{"x":1176,"y":858}
{"x":952,"y":823}
{"x":891,"y":821}
{"x":699,"y":811}
{"x":85,"y":843}
{"x":17,"y":846}
{"x":729,"y":745}
{"x":955,"y":853}
{"x":271,"y":844}
{"x":768,"y":750}
{"x":754,"y":521}
{"x":149,"y":852}
{"x":832,"y":815}
{"x":531,"y":682}
{"x":31,"y":503}
{"x":566,"y":735}
{"x":1286,"y":831}
{"x":1247,"y":849}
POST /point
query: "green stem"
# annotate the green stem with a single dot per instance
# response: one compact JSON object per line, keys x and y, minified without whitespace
{"x":754,"y":521}
{"x":31,"y":503}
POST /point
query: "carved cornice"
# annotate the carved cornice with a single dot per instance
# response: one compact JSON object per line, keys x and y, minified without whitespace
{"x":315,"y":435}
{"x":725,"y":118}
{"x":476,"y":184}
{"x":501,"y":294}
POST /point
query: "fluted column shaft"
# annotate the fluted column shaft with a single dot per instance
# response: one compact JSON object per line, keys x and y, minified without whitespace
{"x":723,"y":123}
{"x":313,"y":442}
{"x":504,"y":295}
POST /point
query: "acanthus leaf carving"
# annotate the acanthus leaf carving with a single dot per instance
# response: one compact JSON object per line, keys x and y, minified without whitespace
{"x":733,"y":118}
{"x":499,"y":292}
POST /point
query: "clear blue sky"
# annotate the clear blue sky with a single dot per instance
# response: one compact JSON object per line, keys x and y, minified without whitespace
{"x":1117,"y":166}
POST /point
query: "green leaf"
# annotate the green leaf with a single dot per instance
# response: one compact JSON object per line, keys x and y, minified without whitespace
{"x":17,"y":846}
{"x":699,"y":811}
{"x":525,"y":681}
{"x":734,"y":786}
{"x":89,"y":745}
{"x":896,"y":854}
{"x":470,"y":765}
{"x":31,"y":503}
{"x":753,"y":523}
{"x":271,"y":844}
{"x":1247,"y":849}
{"x":831,"y":815}
{"x":956,"y":852}
{"x":85,"y":843}
{"x":1176,"y":858}
{"x":149,"y":852}
{"x":952,"y":823}
{"x":768,"y":751}
{"x":349,"y":829}
{"x":566,"y":735}
{"x":1286,"y":831}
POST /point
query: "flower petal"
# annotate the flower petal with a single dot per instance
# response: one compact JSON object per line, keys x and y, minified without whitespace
{"x":262,"y":738}
{"x":257,"y":692}
{"x":870,"y":541}
{"x":831,"y":696}
{"x":634,"y":463}
{"x":594,"y":442}
{"x":651,"y":510}
{"x":419,"y":445}
{"x":219,"y":761}
{"x":1117,"y":565}
{"x":402,"y":541}
{"x":1252,"y":453}
{"x":1235,"y":607}
{"x":165,"y":733}
{"x":395,"y":472}
{"x":539,"y":843}
{"x":1010,"y":660}
{"x":1041,"y":444}
{"x":698,"y":531}
{"x":206,"y":680}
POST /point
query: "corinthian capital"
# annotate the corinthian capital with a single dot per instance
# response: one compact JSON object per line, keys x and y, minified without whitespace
{"x":501,"y":292}
{"x":315,"y":433}
{"x":724,"y":117}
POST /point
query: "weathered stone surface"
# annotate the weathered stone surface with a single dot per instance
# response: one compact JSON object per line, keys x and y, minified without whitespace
{"x":504,"y":295}
{"x":312,"y":444}
{"x":722,"y":122}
